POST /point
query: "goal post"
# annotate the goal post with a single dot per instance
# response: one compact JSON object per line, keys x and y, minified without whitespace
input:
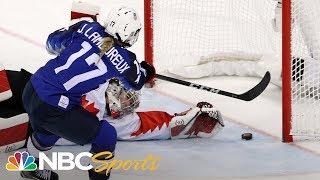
{"x":286,"y":71}
{"x":148,"y":31}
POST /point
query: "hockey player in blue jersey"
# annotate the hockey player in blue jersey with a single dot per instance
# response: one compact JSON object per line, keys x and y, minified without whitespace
{"x":88,"y":55}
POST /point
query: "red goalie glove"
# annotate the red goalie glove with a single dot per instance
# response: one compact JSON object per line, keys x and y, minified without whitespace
{"x":215,"y":114}
{"x":201,"y":121}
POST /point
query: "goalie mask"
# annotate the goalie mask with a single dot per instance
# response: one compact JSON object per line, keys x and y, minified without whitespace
{"x":119,"y":100}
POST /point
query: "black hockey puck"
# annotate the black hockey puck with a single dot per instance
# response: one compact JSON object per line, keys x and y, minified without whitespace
{"x":246,"y":136}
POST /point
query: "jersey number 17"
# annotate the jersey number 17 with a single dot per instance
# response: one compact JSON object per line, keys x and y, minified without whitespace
{"x":93,"y":58}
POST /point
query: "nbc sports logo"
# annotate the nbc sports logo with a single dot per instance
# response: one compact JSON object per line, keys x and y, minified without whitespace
{"x":21,"y":162}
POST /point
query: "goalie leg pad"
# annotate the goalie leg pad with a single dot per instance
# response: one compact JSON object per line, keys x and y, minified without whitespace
{"x":5,"y":90}
{"x":13,"y":132}
{"x":84,"y":10}
{"x":201,"y":121}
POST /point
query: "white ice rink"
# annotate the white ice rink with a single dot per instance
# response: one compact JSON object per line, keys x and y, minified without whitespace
{"x":24,"y":27}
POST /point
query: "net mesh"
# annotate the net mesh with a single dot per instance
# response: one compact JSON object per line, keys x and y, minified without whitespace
{"x":185,"y":31}
{"x":305,"y":73}
{"x":190,"y":32}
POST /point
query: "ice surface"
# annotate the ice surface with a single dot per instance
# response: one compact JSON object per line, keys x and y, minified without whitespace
{"x":24,"y":27}
{"x":223,"y":156}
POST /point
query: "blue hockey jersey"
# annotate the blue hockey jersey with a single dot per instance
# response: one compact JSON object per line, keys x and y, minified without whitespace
{"x":79,"y":68}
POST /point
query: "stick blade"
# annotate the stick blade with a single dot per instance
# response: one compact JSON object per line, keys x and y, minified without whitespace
{"x":257,"y":90}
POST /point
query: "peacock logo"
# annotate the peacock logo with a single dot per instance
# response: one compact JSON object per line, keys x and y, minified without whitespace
{"x":21,"y":162}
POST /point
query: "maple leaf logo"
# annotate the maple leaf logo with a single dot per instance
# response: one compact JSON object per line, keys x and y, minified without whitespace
{"x":151,"y":120}
{"x":89,"y":106}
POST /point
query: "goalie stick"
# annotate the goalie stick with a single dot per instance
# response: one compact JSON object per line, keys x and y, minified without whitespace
{"x":247,"y":96}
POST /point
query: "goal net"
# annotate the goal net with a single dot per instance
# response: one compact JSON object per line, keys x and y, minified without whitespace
{"x":303,"y":69}
{"x":196,"y":38}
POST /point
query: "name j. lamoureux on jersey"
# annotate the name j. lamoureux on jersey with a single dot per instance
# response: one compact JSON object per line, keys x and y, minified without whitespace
{"x":113,"y":54}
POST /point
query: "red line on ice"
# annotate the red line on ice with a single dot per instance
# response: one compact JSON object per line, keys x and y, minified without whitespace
{"x":21,"y":37}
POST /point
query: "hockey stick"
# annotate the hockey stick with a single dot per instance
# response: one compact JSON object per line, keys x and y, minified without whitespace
{"x":247,"y":96}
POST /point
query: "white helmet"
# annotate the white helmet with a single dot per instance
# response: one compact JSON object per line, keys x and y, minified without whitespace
{"x":124,"y":24}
